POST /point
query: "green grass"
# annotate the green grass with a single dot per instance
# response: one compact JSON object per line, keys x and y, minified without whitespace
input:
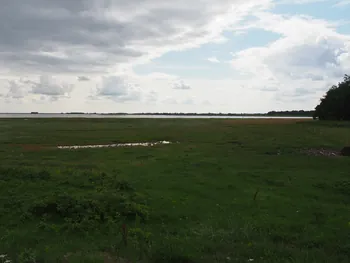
{"x":229,"y":191}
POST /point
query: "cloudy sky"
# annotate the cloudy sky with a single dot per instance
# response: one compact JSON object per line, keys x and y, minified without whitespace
{"x":173,"y":56}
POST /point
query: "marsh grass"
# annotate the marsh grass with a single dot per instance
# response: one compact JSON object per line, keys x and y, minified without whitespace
{"x":237,"y":191}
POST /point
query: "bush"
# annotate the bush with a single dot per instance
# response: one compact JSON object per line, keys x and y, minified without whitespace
{"x":82,"y":200}
{"x":98,"y":208}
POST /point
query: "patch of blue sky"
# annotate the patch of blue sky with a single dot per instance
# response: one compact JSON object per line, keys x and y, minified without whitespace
{"x":194,"y":62}
{"x":325,"y":10}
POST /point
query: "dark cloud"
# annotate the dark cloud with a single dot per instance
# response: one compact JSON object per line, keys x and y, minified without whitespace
{"x":88,"y":36}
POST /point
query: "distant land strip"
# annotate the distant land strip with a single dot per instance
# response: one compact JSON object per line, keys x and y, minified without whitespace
{"x":293,"y":113}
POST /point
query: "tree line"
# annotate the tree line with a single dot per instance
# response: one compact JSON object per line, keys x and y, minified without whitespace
{"x":293,"y":113}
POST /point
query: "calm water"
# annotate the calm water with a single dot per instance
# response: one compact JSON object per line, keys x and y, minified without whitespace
{"x":96,"y":116}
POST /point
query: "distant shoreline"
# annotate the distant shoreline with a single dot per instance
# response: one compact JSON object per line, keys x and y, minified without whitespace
{"x":143,"y":116}
{"x":269,"y":114}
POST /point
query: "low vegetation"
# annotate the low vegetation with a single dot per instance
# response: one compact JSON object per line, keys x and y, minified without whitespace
{"x":228,"y":191}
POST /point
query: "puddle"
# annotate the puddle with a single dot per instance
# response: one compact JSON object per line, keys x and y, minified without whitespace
{"x":144,"y":144}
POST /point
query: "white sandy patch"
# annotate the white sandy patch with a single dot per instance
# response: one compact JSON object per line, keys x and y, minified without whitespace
{"x":144,"y":144}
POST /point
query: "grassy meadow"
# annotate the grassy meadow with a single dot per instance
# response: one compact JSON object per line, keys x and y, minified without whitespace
{"x":224,"y":191}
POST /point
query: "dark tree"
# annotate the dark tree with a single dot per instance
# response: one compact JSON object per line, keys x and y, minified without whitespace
{"x":335,"y":105}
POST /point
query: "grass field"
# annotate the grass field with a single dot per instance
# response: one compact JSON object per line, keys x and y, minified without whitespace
{"x":224,"y":191}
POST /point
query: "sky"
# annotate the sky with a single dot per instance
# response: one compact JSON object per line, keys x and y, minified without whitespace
{"x":171,"y":56}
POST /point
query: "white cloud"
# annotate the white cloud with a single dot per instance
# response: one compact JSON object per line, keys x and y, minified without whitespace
{"x":188,"y":101}
{"x":46,"y":87}
{"x":14,"y":89}
{"x":83,"y":78}
{"x":342,"y":3}
{"x":181,"y":85}
{"x":49,"y":86}
{"x":170,"y":100}
{"x":308,"y":54}
{"x":213,"y":60}
{"x":151,"y":97}
{"x":300,"y":2}
{"x":118,"y":89}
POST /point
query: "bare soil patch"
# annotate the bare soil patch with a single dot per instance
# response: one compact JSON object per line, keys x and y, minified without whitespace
{"x":30,"y":147}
